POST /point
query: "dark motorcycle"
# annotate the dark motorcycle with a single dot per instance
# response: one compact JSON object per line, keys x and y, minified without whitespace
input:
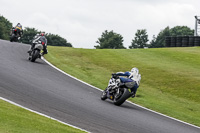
{"x":118,"y":91}
{"x":15,"y":36}
{"x":36,"y":52}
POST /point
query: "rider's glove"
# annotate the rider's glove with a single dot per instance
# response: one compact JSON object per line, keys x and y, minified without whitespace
{"x":115,"y":76}
{"x":121,"y":84}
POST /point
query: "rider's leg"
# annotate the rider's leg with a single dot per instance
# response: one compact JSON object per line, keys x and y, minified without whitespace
{"x":134,"y":90}
{"x":31,"y":47}
{"x":45,"y":51}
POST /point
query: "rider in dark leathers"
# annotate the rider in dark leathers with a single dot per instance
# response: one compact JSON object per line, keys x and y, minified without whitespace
{"x":39,"y":37}
{"x":19,"y":29}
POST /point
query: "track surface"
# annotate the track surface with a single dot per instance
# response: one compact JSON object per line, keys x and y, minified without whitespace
{"x":41,"y":88}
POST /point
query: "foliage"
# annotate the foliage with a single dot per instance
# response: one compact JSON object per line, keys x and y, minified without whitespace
{"x":110,"y":40}
{"x":56,"y":40}
{"x":28,"y":35}
{"x":159,"y":41}
{"x":181,"y":30}
{"x":153,"y":42}
{"x":5,"y":28}
{"x":140,"y":40}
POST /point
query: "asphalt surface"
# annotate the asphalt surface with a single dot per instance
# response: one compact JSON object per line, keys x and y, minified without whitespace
{"x":40,"y":87}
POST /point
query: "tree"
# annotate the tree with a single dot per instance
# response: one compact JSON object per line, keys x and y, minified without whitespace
{"x":181,"y":30}
{"x":56,"y":40}
{"x":110,"y":40}
{"x":2,"y":31}
{"x":5,"y":28}
{"x":159,"y":41}
{"x":28,"y":35}
{"x":140,"y":40}
{"x":153,"y":42}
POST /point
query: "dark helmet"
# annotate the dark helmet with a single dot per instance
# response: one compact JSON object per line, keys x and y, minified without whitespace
{"x":18,"y":24}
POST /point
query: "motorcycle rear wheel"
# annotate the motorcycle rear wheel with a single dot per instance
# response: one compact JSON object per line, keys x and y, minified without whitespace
{"x":120,"y":100}
{"x":12,"y":38}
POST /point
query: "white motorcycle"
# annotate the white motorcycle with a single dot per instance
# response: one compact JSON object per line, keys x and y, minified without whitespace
{"x":118,"y":90}
{"x":36,"y":52}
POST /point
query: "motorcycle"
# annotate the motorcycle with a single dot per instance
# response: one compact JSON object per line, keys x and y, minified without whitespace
{"x":36,"y":52}
{"x":15,"y":35}
{"x":118,"y":90}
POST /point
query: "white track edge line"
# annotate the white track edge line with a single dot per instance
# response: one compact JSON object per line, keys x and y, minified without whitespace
{"x":11,"y":102}
{"x":127,"y":100}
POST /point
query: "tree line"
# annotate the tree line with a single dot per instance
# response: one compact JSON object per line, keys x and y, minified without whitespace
{"x":5,"y":26}
{"x":108,"y":39}
{"x":52,"y":39}
{"x":113,"y":40}
{"x":29,"y":33}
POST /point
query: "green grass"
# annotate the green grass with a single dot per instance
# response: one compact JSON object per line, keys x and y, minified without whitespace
{"x":170,"y":76}
{"x":14,"y":119}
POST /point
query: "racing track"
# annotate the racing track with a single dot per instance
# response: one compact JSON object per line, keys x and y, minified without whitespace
{"x":40,"y":87}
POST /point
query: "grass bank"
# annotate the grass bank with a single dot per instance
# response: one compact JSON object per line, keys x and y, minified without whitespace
{"x":170,"y":76}
{"x":14,"y":119}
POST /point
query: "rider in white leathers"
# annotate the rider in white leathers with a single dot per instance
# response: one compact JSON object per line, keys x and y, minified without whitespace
{"x":133,"y":74}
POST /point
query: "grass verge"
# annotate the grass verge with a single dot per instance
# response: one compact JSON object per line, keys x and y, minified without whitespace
{"x":170,"y":76}
{"x":14,"y":119}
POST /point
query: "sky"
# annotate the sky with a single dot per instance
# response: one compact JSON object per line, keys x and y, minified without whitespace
{"x":82,"y":22}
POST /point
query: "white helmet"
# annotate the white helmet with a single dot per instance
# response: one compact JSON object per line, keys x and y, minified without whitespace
{"x":134,"y":71}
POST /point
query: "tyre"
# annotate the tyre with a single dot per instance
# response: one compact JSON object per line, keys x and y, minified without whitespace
{"x":178,"y":41}
{"x":197,"y":41}
{"x":191,"y":41}
{"x":185,"y":41}
{"x":104,"y":95}
{"x":35,"y":55}
{"x":12,"y":38}
{"x":121,"y":99}
{"x":173,"y":41}
{"x":167,"y":41}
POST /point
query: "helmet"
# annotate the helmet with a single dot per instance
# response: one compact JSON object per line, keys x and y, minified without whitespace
{"x":134,"y":71}
{"x":18,"y":24}
{"x":42,"y":34}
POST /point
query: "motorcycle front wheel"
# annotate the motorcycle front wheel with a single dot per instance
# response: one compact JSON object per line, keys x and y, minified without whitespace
{"x":35,"y":55}
{"x":104,"y":95}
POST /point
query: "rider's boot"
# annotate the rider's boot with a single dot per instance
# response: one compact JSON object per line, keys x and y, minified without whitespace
{"x":133,"y":94}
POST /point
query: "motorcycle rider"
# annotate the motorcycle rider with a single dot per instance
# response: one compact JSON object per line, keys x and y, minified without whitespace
{"x":133,"y":74}
{"x":39,"y":37}
{"x":19,"y":29}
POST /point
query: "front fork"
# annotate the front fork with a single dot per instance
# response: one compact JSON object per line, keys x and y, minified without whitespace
{"x":110,"y":92}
